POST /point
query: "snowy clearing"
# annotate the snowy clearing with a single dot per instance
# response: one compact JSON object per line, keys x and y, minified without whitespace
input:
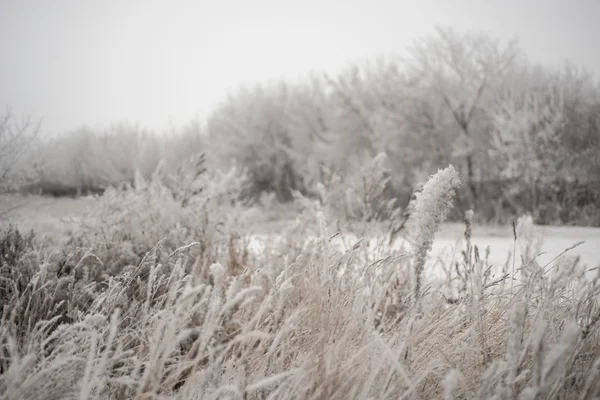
{"x":52,"y":217}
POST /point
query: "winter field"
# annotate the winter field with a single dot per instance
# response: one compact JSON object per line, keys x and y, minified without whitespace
{"x":60,"y":216}
{"x":135,"y":295}
{"x":422,"y":227}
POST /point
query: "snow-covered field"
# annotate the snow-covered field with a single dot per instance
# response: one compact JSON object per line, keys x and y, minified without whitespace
{"x":449,"y":243}
{"x":53,"y":217}
{"x":291,"y":306}
{"x":556,"y":241}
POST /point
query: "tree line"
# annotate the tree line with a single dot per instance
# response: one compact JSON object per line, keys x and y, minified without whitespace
{"x":524,"y":138}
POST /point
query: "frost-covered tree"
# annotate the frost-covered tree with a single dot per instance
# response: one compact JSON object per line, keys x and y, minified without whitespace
{"x":526,"y":142}
{"x":253,"y":128}
{"x":19,"y":165}
{"x":352,"y":105}
{"x":527,"y":131}
{"x":372,"y":108}
{"x":313,"y":143}
{"x":580,"y":93}
{"x":464,"y":72}
{"x":545,"y":142}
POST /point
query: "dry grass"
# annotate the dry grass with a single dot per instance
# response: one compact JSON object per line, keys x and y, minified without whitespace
{"x":153,"y":299}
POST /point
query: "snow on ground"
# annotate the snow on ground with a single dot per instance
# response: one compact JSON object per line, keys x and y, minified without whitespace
{"x":501,"y":243}
{"x":58,"y":216}
{"x":449,"y":243}
{"x":45,"y":215}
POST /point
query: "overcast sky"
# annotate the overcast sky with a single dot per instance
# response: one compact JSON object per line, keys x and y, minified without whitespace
{"x":76,"y":62}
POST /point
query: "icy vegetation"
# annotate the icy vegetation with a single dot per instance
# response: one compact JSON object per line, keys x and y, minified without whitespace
{"x":287,"y":248}
{"x":157,"y":295}
{"x":523,"y":138}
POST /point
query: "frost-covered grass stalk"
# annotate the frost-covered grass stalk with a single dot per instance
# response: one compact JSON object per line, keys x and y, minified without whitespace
{"x":430,"y":210}
{"x":200,"y":315}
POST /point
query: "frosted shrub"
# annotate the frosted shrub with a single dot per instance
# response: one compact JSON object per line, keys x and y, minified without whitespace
{"x":364,"y":196}
{"x":192,"y":206}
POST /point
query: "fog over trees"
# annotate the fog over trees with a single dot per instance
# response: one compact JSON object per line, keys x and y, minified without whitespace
{"x":524,"y":138}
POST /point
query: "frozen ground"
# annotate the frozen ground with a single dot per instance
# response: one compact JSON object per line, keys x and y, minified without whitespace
{"x":45,"y":215}
{"x":56,"y":217}
{"x":448,"y":245}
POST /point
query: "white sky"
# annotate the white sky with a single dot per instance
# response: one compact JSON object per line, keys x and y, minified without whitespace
{"x":96,"y":62}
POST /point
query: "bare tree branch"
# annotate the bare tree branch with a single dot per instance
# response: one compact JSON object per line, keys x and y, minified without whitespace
{"x":16,"y":139}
